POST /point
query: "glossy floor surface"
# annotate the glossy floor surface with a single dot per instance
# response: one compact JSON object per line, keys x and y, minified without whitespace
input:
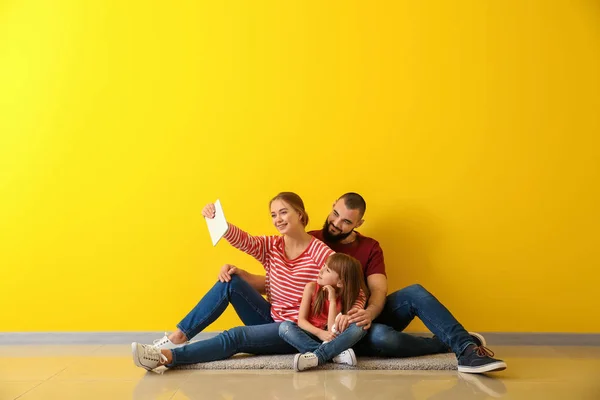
{"x":107,"y":372}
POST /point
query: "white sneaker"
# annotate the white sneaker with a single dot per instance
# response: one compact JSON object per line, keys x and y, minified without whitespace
{"x":305,"y":361}
{"x":346,"y":357}
{"x":147,"y":356}
{"x":165,"y":343}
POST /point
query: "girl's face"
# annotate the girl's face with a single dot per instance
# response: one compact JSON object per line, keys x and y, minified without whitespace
{"x":285,"y":218}
{"x":327,"y":276}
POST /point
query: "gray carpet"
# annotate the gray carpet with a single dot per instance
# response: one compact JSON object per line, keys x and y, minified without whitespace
{"x":246,"y":361}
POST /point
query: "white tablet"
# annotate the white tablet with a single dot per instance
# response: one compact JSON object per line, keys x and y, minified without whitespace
{"x":217,"y":227}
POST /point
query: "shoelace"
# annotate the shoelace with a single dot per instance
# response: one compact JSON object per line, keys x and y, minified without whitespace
{"x":153,"y":354}
{"x":163,"y":340}
{"x":483,"y":351}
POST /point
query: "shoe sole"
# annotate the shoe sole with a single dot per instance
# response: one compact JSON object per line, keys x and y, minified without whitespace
{"x":136,"y":358}
{"x":496,"y":366}
{"x":353,"y":356}
{"x":296,"y":358}
{"x":480,"y":337}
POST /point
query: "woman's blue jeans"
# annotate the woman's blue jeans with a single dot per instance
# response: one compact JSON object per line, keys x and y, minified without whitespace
{"x":251,"y":307}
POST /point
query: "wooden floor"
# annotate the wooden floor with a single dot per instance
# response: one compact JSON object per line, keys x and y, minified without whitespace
{"x":91,"y":372}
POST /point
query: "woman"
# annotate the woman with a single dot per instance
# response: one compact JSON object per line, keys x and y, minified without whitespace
{"x":291,"y":260}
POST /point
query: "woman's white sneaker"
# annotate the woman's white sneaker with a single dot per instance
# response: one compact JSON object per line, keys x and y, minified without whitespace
{"x":165,"y":343}
{"x":147,"y":356}
{"x":346,"y":357}
{"x":305,"y":361}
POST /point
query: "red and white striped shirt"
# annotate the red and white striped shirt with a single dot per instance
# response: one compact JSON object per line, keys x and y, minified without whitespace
{"x":286,"y":279}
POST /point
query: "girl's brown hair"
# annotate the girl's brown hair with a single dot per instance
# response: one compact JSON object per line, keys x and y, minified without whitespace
{"x":295,"y":202}
{"x":351,"y":274}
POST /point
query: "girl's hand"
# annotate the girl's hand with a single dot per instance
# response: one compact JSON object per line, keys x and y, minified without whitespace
{"x":330,"y":292}
{"x":341,"y":323}
{"x":209,"y":211}
{"x":325,"y":336}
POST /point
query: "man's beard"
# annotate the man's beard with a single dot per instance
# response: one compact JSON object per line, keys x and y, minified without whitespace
{"x":328,"y":237}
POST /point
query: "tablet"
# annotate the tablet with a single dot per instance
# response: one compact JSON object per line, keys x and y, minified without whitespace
{"x":217,"y":227}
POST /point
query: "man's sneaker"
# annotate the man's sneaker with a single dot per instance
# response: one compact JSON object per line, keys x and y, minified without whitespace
{"x":305,"y":361}
{"x":346,"y":357}
{"x":477,"y":360}
{"x":147,"y":356}
{"x":478,"y":339}
{"x":165,"y":343}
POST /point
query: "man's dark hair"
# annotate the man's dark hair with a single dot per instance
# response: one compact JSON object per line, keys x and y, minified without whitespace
{"x":354,"y":201}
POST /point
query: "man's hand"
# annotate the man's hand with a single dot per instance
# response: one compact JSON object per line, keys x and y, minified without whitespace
{"x":361,"y":317}
{"x":341,"y":323}
{"x":227,"y":271}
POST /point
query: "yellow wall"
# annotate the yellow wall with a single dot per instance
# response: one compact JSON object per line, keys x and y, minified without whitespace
{"x":470,"y":127}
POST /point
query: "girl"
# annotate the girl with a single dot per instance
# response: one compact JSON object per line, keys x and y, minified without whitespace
{"x":339,"y":287}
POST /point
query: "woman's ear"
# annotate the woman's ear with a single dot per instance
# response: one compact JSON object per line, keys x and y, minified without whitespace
{"x":339,"y":284}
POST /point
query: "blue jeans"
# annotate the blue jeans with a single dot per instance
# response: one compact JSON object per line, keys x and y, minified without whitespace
{"x":251,"y":307}
{"x":306,"y":342}
{"x":385,"y":338}
{"x":256,"y":339}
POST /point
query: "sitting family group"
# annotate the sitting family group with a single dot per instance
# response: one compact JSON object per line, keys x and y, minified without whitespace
{"x":326,"y":300}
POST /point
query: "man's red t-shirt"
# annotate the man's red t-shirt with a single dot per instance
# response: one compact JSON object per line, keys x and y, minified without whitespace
{"x":364,"y":249}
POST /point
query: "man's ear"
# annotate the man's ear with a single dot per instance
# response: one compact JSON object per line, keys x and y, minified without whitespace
{"x":362,"y":221}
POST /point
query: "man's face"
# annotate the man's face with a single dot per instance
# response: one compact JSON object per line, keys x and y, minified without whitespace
{"x":341,"y":222}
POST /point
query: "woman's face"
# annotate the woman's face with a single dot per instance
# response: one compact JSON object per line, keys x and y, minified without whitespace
{"x":285,"y":218}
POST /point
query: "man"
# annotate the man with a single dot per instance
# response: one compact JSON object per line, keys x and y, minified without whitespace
{"x":386,"y":317}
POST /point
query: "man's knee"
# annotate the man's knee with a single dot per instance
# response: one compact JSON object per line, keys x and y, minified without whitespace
{"x":384,"y":339}
{"x":413,"y":291}
{"x":380,"y":334}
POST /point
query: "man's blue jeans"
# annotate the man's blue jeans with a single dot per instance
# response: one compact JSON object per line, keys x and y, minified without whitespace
{"x":251,"y":307}
{"x":306,"y":342}
{"x":386,"y":339}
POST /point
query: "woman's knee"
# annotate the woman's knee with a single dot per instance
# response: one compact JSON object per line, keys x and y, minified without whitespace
{"x":235,"y":281}
{"x":234,"y":335}
{"x":285,"y":327}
